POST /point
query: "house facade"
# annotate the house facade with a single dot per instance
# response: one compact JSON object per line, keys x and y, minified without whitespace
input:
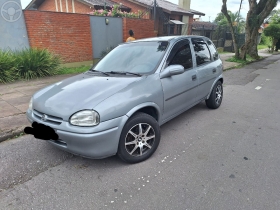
{"x":73,"y":6}
{"x":169,"y":18}
{"x":203,"y":28}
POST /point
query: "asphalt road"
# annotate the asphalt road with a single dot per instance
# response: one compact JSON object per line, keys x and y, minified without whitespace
{"x":207,"y":159}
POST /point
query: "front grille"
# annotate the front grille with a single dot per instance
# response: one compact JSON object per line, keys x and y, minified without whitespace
{"x":59,"y":142}
{"x":47,"y":118}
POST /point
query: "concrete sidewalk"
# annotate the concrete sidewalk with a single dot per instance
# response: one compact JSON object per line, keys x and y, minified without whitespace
{"x":15,"y":97}
{"x":229,"y":65}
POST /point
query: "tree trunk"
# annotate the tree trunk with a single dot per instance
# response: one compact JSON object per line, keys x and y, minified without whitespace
{"x":255,"y":17}
{"x":235,"y":43}
{"x":251,"y":45}
{"x":274,"y":41}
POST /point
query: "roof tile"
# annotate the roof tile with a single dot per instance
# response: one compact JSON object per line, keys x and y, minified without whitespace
{"x":169,"y":6}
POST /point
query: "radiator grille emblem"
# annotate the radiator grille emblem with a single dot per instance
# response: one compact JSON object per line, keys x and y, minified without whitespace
{"x":44,"y":117}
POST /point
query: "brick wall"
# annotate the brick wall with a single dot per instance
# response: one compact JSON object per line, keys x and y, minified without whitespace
{"x":190,"y":24}
{"x":67,"y":35}
{"x":82,"y":8}
{"x":176,"y":17}
{"x":143,"y":28}
{"x":50,"y":5}
{"x":134,"y":7}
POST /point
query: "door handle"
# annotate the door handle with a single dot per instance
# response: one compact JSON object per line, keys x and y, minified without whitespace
{"x":214,"y":70}
{"x":193,"y":77}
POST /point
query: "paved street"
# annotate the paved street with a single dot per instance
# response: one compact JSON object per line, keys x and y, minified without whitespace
{"x":224,"y":159}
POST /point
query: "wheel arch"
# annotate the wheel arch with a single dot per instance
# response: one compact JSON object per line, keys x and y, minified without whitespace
{"x":149,"y":108}
{"x":218,"y":79}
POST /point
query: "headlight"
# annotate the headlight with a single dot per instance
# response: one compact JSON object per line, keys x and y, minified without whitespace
{"x":85,"y":118}
{"x":30,"y":104}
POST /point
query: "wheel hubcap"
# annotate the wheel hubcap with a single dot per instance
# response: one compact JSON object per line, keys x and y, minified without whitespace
{"x":219,"y":94}
{"x":139,"y":139}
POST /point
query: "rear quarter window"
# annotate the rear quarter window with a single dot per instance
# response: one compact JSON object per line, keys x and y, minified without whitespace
{"x":213,"y":50}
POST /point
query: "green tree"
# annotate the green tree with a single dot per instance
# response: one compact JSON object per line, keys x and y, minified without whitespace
{"x":273,"y":31}
{"x":230,"y":20}
{"x":258,"y":12}
{"x":237,"y":20}
{"x":273,"y":16}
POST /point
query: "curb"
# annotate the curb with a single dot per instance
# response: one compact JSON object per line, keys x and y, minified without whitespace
{"x":233,"y":67}
{"x":11,"y":134}
{"x":239,"y":65}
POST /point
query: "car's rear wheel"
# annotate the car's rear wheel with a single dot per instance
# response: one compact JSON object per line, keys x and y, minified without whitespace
{"x":139,"y":139}
{"x":216,"y":96}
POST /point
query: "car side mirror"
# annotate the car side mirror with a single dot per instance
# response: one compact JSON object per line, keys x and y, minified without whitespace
{"x":172,"y":70}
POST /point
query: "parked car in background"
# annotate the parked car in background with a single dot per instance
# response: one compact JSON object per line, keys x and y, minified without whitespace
{"x":118,"y":106}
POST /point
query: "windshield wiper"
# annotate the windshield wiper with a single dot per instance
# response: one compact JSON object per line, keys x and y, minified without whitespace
{"x":100,"y":72}
{"x":124,"y":72}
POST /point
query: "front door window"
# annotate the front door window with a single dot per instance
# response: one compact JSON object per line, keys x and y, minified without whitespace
{"x":181,"y":55}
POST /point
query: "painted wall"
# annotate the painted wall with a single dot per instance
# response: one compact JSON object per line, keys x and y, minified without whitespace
{"x":12,"y":26}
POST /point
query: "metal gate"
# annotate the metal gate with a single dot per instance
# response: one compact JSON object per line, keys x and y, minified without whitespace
{"x":106,"y":33}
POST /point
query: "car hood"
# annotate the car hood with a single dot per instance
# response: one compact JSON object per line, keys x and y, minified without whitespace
{"x":78,"y":93}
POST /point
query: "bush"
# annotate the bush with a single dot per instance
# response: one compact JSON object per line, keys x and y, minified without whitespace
{"x":273,"y":31}
{"x":115,"y":11}
{"x":7,"y":67}
{"x":265,"y":40}
{"x":35,"y":63}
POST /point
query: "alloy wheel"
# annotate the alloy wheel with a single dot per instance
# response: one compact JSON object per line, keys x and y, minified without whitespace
{"x":139,"y":139}
{"x":219,"y":94}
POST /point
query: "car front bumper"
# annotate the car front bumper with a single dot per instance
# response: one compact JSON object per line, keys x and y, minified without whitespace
{"x":92,"y":142}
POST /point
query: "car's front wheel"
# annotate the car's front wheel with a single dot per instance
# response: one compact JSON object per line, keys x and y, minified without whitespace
{"x":216,"y":96}
{"x":139,"y":139}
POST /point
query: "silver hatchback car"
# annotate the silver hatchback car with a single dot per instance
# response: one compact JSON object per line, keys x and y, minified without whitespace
{"x":118,"y":106}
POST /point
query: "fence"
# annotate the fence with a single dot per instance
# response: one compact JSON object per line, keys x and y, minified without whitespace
{"x":74,"y":37}
{"x":220,"y":35}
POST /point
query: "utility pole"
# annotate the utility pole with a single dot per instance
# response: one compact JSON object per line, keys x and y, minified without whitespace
{"x":155,"y":15}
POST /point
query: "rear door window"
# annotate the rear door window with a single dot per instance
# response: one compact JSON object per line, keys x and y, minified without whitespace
{"x":201,"y":50}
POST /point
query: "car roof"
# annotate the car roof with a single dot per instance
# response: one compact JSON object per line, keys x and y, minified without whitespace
{"x":166,"y":38}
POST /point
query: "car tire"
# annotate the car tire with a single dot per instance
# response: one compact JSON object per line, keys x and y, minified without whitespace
{"x":216,"y":96}
{"x":139,"y":139}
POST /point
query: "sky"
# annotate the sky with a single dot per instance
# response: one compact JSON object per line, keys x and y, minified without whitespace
{"x":209,"y":7}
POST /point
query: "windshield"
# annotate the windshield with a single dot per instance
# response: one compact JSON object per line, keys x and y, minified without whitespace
{"x":140,"y":58}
